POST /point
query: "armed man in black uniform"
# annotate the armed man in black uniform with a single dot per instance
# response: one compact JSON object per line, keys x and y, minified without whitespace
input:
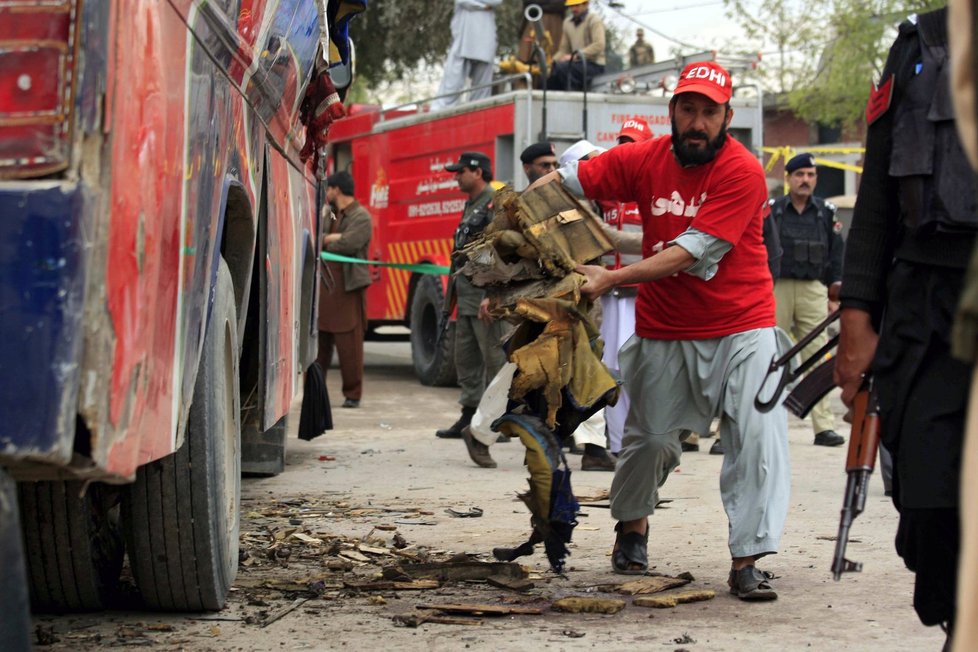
{"x":911,"y":237}
{"x":811,"y":260}
{"x":478,"y":349}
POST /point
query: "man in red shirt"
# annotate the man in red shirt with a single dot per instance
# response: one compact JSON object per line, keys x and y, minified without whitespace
{"x":705,"y":325}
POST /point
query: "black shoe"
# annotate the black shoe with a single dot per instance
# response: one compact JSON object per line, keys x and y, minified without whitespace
{"x":717,"y":448}
{"x":478,"y":451}
{"x":454,"y":431}
{"x":351,"y":403}
{"x":829,"y":438}
{"x":598,"y":460}
{"x":689,"y":447}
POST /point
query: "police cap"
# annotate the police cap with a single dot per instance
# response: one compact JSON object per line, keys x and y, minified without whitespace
{"x":800,"y":161}
{"x":471,"y":160}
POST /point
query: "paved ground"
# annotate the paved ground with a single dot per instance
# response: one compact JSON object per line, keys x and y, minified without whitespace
{"x":381,"y":477}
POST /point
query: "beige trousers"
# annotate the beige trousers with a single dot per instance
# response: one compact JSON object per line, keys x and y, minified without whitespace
{"x":801,"y":306}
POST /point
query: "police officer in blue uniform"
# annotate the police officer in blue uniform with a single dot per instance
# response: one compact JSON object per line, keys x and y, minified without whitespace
{"x":811,"y":260}
{"x":912,"y":234}
{"x":478,"y":348}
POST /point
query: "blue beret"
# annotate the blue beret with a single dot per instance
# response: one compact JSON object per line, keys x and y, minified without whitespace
{"x":799,"y":161}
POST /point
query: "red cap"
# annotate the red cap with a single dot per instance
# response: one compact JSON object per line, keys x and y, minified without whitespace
{"x":636,"y":129}
{"x":707,"y":78}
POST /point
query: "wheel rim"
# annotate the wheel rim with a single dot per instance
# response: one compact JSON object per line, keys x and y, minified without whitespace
{"x":231,"y":459}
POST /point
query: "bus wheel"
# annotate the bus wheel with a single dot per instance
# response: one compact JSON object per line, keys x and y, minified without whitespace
{"x":15,"y":613}
{"x":434,"y":360}
{"x":181,"y":513}
{"x":73,"y":544}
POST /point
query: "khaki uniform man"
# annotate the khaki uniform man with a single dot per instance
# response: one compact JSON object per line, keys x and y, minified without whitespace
{"x":811,"y":241}
{"x":478,"y":350}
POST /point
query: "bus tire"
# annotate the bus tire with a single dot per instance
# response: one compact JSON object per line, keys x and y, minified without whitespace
{"x":73,"y":545}
{"x":15,"y":613}
{"x":434,"y":360}
{"x":181,"y":514}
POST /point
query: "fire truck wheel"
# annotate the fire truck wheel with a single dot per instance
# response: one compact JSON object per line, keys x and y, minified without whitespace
{"x":73,"y":544}
{"x":181,"y":513}
{"x":434,"y":359}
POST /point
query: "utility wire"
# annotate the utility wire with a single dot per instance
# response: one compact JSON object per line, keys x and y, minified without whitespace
{"x":614,"y":6}
{"x":678,"y":8}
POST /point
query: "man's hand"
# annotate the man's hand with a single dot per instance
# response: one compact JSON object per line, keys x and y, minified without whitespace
{"x":834,"y":290}
{"x":857,"y":347}
{"x":331,"y":237}
{"x":484,"y":310}
{"x":599,"y":280}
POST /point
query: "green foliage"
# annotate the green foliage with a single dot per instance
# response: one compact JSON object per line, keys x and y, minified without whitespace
{"x":826,"y":55}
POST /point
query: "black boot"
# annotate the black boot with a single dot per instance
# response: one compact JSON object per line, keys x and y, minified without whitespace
{"x":455,"y":430}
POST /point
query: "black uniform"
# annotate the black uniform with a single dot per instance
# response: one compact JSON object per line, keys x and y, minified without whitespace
{"x":811,"y":243}
{"x":912,"y":233}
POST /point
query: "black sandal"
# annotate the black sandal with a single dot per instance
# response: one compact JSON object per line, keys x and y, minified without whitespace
{"x":751,"y":584}
{"x":631,"y":549}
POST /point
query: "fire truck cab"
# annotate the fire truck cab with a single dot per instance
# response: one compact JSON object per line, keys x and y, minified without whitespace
{"x":397,"y":158}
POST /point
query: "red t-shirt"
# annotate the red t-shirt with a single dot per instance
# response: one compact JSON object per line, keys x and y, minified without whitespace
{"x":723,"y":198}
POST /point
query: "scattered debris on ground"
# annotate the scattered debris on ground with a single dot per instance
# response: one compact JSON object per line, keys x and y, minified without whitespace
{"x":578,"y":605}
{"x":297,"y":556}
{"x":666,"y":601}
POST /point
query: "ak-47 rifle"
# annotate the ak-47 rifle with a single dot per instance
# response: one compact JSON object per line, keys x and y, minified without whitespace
{"x":860,"y":462}
{"x":448,"y":306}
{"x":812,"y":387}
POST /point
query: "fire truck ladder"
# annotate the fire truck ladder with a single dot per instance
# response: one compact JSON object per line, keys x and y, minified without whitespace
{"x":657,"y":75}
{"x":662,"y":75}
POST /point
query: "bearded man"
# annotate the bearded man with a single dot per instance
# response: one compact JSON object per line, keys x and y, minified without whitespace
{"x":705,"y":324}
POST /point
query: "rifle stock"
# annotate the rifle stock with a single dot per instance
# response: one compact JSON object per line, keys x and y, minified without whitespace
{"x":860,"y":462}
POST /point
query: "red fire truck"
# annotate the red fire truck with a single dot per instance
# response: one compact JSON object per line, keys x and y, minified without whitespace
{"x":397,"y":158}
{"x":160,"y":239}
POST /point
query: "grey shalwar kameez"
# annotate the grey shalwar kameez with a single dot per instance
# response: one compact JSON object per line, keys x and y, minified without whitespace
{"x":472,"y":52}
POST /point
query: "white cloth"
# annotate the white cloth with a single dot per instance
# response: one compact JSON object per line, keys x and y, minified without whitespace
{"x":492,"y":405}
{"x":472,"y":52}
{"x":683,"y":384}
{"x":617,"y":325}
{"x":577,"y":151}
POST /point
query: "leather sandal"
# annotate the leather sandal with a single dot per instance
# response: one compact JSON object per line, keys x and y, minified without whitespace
{"x":750,"y":584}
{"x":631,"y":550}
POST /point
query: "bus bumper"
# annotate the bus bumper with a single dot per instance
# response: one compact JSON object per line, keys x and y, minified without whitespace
{"x":42,"y":286}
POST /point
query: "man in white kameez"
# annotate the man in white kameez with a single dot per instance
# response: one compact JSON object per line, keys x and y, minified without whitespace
{"x":472,"y":52}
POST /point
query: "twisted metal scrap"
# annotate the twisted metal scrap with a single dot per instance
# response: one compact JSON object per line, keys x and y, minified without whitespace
{"x":526,"y":260}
